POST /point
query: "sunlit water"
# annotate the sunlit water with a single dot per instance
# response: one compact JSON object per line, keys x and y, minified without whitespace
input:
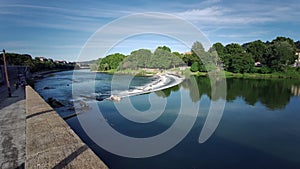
{"x":260,"y":126}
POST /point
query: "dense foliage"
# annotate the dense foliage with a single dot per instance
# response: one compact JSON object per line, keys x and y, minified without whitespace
{"x":36,"y":64}
{"x":253,"y":57}
{"x":162,"y":58}
{"x":110,"y":62}
{"x":276,"y":56}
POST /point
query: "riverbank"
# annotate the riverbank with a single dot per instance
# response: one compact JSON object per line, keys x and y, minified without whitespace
{"x":143,"y":71}
{"x":276,"y":75}
{"x":42,"y":74}
{"x":130,"y":72}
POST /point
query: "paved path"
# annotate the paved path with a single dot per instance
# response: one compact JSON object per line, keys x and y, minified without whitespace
{"x":50,"y":142}
{"x":12,"y":130}
{"x":4,"y":91}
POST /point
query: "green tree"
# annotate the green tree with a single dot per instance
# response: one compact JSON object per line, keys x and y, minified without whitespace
{"x":297,"y":44}
{"x":236,"y":59}
{"x":256,"y":49}
{"x":178,"y":54}
{"x":195,"y":67}
{"x":216,"y":53}
{"x":219,"y":48}
{"x":199,"y":55}
{"x":281,"y":55}
{"x":198,"y":50}
{"x":234,"y":48}
{"x":241,"y":63}
{"x":161,"y":59}
{"x":142,"y":57}
{"x":189,"y":59}
{"x":282,"y":39}
{"x":17,"y":59}
{"x":230,"y":51}
{"x":177,"y":59}
{"x":111,"y":61}
{"x":164,"y":48}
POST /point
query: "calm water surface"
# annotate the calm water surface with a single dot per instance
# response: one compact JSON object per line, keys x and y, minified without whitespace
{"x":260,"y":126}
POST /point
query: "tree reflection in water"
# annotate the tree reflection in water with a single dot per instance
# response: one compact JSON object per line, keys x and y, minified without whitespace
{"x":272,"y":93}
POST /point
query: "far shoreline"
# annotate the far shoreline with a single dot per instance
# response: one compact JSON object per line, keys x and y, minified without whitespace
{"x":130,"y":72}
{"x":31,"y":80}
{"x":187,"y":71}
{"x":250,"y":75}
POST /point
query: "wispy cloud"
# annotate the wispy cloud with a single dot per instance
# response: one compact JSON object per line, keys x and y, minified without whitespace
{"x":222,"y":15}
{"x":15,"y":44}
{"x":239,"y":36}
{"x":242,"y":13}
{"x":91,"y":12}
{"x":86,"y":19}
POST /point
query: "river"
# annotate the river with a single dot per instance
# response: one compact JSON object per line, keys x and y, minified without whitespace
{"x":259,"y":127}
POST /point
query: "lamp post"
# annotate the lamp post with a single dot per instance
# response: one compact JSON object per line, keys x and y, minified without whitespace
{"x":6,"y":75}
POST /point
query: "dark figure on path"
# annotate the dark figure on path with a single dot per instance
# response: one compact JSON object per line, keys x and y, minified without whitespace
{"x":16,"y":85}
{"x":23,"y":84}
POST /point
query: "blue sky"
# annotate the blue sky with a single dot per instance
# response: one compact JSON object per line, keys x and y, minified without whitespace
{"x":59,"y":29}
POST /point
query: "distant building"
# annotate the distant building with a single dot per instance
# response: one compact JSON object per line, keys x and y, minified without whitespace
{"x":60,"y":61}
{"x":188,"y":53}
{"x":83,"y":65}
{"x":42,"y":59}
{"x":257,"y":64}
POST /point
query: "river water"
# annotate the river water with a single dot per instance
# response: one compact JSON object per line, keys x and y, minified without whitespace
{"x":259,"y":128}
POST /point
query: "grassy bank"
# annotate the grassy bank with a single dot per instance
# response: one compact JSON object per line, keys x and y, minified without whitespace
{"x":291,"y":74}
{"x":141,"y":72}
{"x":276,"y":75}
{"x":129,"y":72}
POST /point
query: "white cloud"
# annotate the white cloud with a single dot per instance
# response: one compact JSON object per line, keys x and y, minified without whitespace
{"x":242,"y":13}
{"x":86,"y":19}
{"x":239,"y":36}
{"x":217,"y":15}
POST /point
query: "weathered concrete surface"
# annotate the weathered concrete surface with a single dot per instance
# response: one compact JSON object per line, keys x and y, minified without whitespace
{"x":50,"y":142}
{"x":12,"y":130}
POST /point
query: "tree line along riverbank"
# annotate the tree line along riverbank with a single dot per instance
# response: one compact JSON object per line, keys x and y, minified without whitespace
{"x":32,"y":68}
{"x":279,"y":58}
